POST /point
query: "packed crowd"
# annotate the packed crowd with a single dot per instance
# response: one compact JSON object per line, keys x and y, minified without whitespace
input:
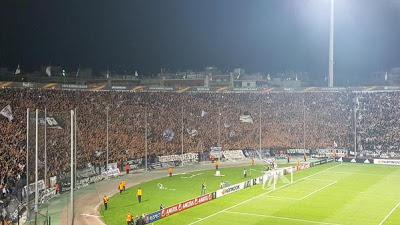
{"x":196,"y":121}
{"x":378,"y":124}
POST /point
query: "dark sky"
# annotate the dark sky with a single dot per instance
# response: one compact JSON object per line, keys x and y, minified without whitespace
{"x":258,"y":35}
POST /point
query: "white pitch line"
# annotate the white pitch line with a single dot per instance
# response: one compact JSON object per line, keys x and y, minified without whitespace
{"x":260,"y":195}
{"x":366,"y":174}
{"x":320,"y":189}
{"x":320,"y":179}
{"x":389,"y":214}
{"x":302,"y":198}
{"x":282,"y":198}
{"x":85,"y":214}
{"x":193,"y":175}
{"x":282,"y":218}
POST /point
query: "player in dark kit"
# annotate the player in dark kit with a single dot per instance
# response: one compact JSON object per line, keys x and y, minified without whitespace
{"x":203,"y":188}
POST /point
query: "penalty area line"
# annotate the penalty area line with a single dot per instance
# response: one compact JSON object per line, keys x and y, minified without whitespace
{"x":261,"y":195}
{"x":281,"y":217}
{"x":389,"y":214}
{"x":318,"y":190}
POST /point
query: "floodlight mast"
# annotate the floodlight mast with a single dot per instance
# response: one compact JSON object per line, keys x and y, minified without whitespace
{"x":331,"y":43}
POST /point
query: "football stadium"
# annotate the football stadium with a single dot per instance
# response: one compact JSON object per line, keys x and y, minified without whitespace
{"x":264,"y":112}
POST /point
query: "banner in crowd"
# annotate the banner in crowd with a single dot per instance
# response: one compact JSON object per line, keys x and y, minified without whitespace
{"x":89,"y":180}
{"x":112,"y":170}
{"x":233,"y":155}
{"x":155,"y":89}
{"x":73,"y":86}
{"x":202,"y":89}
{"x":31,"y":188}
{"x":320,"y":162}
{"x":119,"y":87}
{"x":192,"y":132}
{"x":51,"y":122}
{"x":186,"y":205}
{"x":216,"y":152}
{"x":28,"y":84}
{"x":86,"y":172}
{"x":187,"y":157}
{"x":330,"y":152}
{"x":53,"y":181}
{"x":7,"y":113}
{"x":246,"y":118}
{"x":298,"y":151}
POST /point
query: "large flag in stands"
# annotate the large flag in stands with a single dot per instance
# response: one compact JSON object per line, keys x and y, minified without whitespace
{"x":246,"y":118}
{"x":168,"y":135}
{"x":6,"y":112}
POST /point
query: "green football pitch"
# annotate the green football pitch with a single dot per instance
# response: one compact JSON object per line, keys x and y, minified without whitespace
{"x":328,"y":194}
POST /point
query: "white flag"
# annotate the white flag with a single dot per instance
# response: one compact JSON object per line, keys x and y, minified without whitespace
{"x":136,"y":74}
{"x":386,"y":76}
{"x":77,"y":72}
{"x":18,"y":70}
{"x":335,"y":144}
{"x":48,"y":71}
{"x":168,"y":135}
{"x":246,"y":119}
{"x":6,"y":112}
{"x":191,"y":132}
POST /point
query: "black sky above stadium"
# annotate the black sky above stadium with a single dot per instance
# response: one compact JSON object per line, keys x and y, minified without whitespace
{"x":258,"y":35}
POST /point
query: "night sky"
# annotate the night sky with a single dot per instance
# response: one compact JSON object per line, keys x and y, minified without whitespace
{"x":258,"y":35}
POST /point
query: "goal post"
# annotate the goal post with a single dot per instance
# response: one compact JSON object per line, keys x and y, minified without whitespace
{"x":273,"y":177}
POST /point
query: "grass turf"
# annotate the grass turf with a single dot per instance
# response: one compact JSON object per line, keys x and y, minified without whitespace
{"x":328,"y":194}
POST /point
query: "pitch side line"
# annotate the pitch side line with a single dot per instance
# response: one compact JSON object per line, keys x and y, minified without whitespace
{"x":390,"y":213}
{"x":282,"y":218}
{"x":262,"y":194}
